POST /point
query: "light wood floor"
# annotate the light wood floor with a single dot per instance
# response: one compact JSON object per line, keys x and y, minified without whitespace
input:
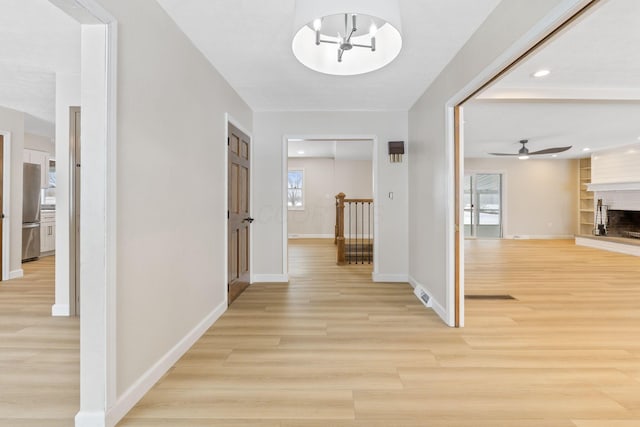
{"x":334,"y":349}
{"x":39,"y":354}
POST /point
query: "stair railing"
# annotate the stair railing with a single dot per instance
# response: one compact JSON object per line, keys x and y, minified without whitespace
{"x":356,"y":246}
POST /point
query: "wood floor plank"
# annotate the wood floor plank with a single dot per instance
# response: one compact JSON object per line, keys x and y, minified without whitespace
{"x":564,"y":354}
{"x":332,"y":348}
{"x":39,"y":354}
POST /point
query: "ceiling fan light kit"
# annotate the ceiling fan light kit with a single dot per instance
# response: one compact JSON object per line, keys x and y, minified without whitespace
{"x":346,"y":37}
{"x":524,"y":153}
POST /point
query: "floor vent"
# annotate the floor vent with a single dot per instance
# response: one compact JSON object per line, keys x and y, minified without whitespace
{"x":423,"y":296}
{"x":489,"y":297}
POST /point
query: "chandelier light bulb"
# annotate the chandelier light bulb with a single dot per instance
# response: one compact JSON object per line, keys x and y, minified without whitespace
{"x":373,"y":29}
{"x":317,"y":24}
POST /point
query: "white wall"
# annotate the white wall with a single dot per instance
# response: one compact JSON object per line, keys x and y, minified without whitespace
{"x":540,"y":195}
{"x":616,"y":165}
{"x":67,"y":95}
{"x":269,"y":130}
{"x":13,"y":121}
{"x":171,"y":192}
{"x":512,"y":27}
{"x":323,"y":179}
{"x":39,"y":143}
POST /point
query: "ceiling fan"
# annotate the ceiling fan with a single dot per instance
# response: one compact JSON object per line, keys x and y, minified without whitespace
{"x":524,"y":152}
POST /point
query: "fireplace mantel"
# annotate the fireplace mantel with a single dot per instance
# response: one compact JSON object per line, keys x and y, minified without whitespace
{"x":614,"y":186}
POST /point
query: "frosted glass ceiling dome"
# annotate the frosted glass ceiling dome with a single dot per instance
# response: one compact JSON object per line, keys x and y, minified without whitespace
{"x":346,"y":37}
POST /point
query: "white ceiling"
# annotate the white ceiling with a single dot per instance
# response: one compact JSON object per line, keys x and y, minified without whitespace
{"x":249,"y":42}
{"x":338,"y":149}
{"x":590,"y":99}
{"x":37,"y":40}
{"x":497,"y":126}
{"x":596,"y":59}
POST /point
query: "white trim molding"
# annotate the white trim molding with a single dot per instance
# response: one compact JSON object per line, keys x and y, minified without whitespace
{"x":60,"y":310}
{"x":99,"y":32}
{"x":311,"y":236}
{"x":133,"y":394}
{"x":90,"y":419}
{"x":6,"y":208}
{"x":270,"y":278}
{"x":539,"y":236}
{"x":16,"y":274}
{"x":434,"y":304}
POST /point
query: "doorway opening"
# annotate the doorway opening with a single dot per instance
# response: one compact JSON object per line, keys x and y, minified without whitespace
{"x":463,"y":186}
{"x":483,"y":205}
{"x":329,"y":194}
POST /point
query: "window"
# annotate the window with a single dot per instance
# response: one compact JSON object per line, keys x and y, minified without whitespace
{"x":295,"y":192}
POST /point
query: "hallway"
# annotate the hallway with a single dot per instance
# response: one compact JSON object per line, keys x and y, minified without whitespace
{"x":298,"y":353}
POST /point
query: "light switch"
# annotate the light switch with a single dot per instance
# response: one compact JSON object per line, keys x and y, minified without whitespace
{"x":391,"y":195}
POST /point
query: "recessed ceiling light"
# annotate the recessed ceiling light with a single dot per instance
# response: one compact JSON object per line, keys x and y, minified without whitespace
{"x":541,"y":73}
{"x":586,"y":149}
{"x":300,"y":152}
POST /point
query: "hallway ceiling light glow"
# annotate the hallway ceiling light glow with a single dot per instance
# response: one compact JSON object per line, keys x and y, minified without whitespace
{"x":345,"y":40}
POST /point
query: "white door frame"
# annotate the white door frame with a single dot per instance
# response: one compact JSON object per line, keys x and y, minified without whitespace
{"x":6,"y":206}
{"x":557,"y":18}
{"x":98,"y":406}
{"x":283,"y":186}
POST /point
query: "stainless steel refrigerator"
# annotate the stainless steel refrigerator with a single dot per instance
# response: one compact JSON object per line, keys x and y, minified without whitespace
{"x":31,"y":212}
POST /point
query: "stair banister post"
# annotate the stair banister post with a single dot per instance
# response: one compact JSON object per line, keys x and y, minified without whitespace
{"x":339,"y":240}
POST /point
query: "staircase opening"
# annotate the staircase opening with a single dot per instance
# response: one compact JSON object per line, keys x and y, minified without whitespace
{"x":319,"y":169}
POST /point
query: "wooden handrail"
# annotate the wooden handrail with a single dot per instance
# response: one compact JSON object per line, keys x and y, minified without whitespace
{"x":339,"y":239}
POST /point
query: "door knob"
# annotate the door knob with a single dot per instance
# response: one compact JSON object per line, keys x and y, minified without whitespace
{"x":248,"y":219}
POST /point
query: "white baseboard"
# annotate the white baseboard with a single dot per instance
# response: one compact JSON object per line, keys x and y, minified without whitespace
{"x":608,"y":246}
{"x":16,"y":274}
{"x":270,"y":278}
{"x":130,"y":397}
{"x":62,"y":310}
{"x":90,"y":419}
{"x":311,"y":236}
{"x":435,"y":305}
{"x":539,"y":236}
{"x":394,"y":278}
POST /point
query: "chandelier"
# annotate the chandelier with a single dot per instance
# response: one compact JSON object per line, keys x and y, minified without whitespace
{"x":332,"y":40}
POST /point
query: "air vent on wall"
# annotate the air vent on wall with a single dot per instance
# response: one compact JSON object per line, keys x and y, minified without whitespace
{"x":423,"y":296}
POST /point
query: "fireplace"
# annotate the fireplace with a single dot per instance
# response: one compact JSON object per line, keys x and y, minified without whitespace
{"x":623,"y":223}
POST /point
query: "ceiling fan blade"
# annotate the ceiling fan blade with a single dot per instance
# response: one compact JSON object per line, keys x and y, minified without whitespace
{"x":552,"y":150}
{"x":504,"y":154}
